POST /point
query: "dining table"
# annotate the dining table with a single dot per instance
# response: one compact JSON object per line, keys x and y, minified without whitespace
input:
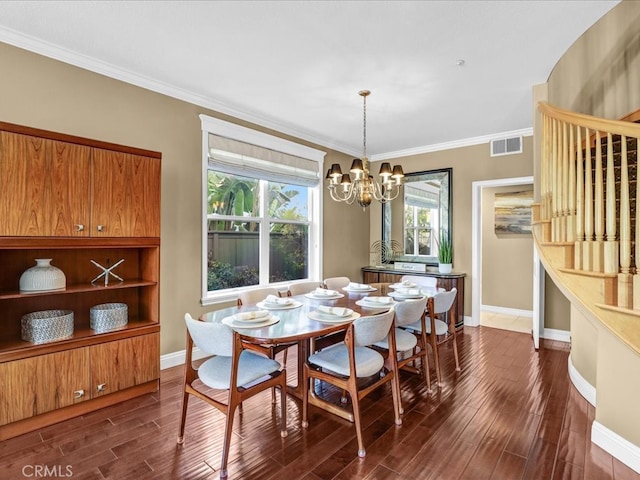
{"x":301,"y":320}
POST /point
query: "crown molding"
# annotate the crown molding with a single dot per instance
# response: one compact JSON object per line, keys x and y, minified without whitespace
{"x":103,"y":68}
{"x":465,"y":142}
{"x":70,"y":57}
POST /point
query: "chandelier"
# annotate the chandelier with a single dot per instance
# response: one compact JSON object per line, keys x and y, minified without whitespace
{"x":363,"y":189}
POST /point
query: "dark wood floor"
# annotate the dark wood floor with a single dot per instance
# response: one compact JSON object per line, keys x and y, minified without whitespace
{"x":510,"y":414}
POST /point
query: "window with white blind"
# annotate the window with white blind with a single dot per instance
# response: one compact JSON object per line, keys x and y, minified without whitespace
{"x":262,"y":210}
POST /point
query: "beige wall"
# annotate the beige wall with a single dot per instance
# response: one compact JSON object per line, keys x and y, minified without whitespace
{"x":599,"y":75}
{"x":470,"y":164}
{"x":39,"y":92}
{"x":556,"y":307}
{"x":507,"y":259}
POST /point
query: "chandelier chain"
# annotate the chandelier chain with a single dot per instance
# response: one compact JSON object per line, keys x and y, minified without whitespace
{"x":364,"y":130}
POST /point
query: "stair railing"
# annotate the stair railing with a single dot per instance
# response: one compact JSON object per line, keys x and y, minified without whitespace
{"x":588,"y":176}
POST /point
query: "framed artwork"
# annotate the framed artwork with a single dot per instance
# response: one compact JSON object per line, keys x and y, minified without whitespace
{"x":513,"y":212}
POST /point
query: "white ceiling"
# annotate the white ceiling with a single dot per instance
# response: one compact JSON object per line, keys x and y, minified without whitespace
{"x":297,"y":66}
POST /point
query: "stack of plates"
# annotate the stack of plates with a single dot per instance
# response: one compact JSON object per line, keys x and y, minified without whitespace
{"x":333,"y":314}
{"x":376,"y":302}
{"x":358,"y":287}
{"x":277,"y":303}
{"x":407,"y":293}
{"x":323,"y":293}
{"x":253,"y":319}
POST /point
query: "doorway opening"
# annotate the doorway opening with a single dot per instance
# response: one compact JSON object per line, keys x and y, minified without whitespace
{"x":508,"y":268}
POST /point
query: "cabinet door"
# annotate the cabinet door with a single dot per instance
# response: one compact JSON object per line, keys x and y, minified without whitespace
{"x":390,"y":277}
{"x":45,"y":187}
{"x":125,"y":199}
{"x":370,"y":277}
{"x":44,"y":383}
{"x":124,"y":363}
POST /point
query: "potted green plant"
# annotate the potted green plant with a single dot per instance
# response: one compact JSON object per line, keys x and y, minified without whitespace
{"x":445,"y":252}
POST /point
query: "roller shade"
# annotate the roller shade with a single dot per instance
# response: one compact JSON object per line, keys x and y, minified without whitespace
{"x":239,"y":158}
{"x":420,"y":198}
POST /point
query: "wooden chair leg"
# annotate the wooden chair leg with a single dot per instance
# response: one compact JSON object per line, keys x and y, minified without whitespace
{"x":305,"y":395}
{"x":436,"y":358}
{"x":455,"y":352}
{"x":183,"y":417}
{"x":395,"y":394}
{"x":228,"y":427}
{"x":355,"y":404}
{"x":283,"y":407}
{"x":425,"y":361}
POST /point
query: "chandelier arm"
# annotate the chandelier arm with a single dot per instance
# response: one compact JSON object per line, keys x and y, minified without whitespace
{"x":348,"y":197}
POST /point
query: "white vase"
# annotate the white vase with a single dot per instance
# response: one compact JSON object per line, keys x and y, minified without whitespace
{"x":444,"y":267}
{"x":44,"y":277}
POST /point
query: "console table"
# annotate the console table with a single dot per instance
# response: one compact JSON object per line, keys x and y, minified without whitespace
{"x":444,"y":280}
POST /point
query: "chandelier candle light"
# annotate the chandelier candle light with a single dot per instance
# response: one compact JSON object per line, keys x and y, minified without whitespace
{"x":364,"y":188}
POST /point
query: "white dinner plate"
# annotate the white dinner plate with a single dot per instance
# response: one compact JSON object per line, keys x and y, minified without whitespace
{"x":405,"y":296}
{"x":254,"y":316}
{"x":359,"y":290}
{"x":374,"y":305}
{"x":400,"y":285}
{"x":279,"y":306}
{"x":323,"y":297}
{"x":320,"y":317}
{"x":240,"y":324}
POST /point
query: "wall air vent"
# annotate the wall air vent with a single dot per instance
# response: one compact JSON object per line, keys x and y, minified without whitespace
{"x":506,"y":146}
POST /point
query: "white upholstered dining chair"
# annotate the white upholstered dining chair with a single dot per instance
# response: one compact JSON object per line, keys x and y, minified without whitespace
{"x":345,"y":363}
{"x":336,"y":283}
{"x":438,"y":327}
{"x":242,"y":373}
{"x":301,"y":288}
{"x":256,"y":295}
{"x":250,"y":297}
{"x":408,"y":312}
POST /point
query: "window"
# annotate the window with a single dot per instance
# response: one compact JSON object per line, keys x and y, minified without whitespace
{"x":417,"y":231}
{"x":262,"y":211}
{"x":420,"y":219}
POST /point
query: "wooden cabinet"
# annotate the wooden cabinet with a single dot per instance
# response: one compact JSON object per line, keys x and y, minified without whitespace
{"x":37,"y":385}
{"x":45,"y":186}
{"x":56,"y":191}
{"x":33,"y":386}
{"x":58,"y":188}
{"x":444,"y":280}
{"x":124,"y":363}
{"x":125,"y":195}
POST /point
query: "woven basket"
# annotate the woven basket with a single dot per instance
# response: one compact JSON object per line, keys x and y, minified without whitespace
{"x":108,"y":316}
{"x":47,"y":326}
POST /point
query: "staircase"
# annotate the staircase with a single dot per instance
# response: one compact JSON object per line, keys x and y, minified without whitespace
{"x":585,"y":219}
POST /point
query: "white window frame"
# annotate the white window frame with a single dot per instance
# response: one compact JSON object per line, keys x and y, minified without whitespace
{"x":415,"y":228}
{"x":261,"y":139}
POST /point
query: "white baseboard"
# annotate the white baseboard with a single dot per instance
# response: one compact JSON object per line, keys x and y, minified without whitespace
{"x":616,"y":446}
{"x":514,"y":312}
{"x":559,"y":335}
{"x":177,"y":358}
{"x":469,"y":322}
{"x":609,"y":441}
{"x":585,"y":389}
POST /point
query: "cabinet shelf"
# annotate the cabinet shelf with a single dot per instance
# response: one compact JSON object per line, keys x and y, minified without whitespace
{"x":5,"y":295}
{"x":15,"y":349}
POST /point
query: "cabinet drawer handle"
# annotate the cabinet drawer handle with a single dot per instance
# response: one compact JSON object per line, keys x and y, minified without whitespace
{"x":79,"y":227}
{"x":102,"y":387}
{"x":78,"y":394}
{"x":100,"y":228}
